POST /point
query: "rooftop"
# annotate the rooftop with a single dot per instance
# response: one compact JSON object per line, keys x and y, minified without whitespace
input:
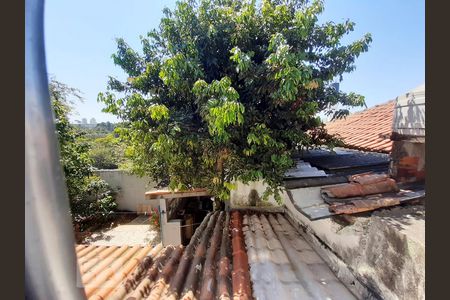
{"x":283,"y":265}
{"x":239,"y":255}
{"x":368,"y":130}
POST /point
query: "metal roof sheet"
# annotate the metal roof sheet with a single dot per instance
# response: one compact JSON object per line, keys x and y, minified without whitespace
{"x":304,"y":170}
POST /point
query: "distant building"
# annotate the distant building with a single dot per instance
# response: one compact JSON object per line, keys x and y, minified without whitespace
{"x":84,"y":123}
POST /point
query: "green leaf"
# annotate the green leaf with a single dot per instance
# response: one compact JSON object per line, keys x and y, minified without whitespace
{"x":226,"y":90}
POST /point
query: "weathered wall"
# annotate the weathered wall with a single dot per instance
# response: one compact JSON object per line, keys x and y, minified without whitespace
{"x":131,"y":189}
{"x":408,"y":134}
{"x":408,"y":161}
{"x":385,"y":251}
{"x":250,"y":195}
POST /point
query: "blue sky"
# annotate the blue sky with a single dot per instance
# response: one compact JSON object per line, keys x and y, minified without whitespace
{"x":80,"y":38}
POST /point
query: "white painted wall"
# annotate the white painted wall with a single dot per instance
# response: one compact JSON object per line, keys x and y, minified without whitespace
{"x":131,"y":188}
{"x":409,"y":113}
{"x":239,"y":196}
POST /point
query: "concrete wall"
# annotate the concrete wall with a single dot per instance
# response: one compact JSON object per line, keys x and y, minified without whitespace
{"x":409,"y":113}
{"x":408,"y":161}
{"x":385,"y":251}
{"x":131,"y":189}
{"x":243,"y":196}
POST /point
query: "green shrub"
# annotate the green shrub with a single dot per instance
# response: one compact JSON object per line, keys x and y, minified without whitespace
{"x":96,"y":199}
{"x":90,"y":197}
{"x":102,"y":158}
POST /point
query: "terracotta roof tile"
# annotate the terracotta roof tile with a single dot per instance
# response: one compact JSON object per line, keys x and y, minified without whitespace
{"x":266,"y":258}
{"x":207,"y":290}
{"x":140,"y":281}
{"x":368,"y":130}
{"x":202,"y":270}
{"x":163,"y":279}
{"x":240,"y":275}
{"x":104,"y":268}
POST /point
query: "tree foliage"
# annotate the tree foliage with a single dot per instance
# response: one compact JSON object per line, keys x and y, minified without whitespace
{"x":228,"y":90}
{"x":107,"y":152}
{"x":100,"y":130}
{"x":74,"y":156}
{"x":88,"y":195}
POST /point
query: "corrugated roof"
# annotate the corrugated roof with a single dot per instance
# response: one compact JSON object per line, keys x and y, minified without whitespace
{"x":304,"y":169}
{"x":368,"y":130}
{"x":266,"y":258}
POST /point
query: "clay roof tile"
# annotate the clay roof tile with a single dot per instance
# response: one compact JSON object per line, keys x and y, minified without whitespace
{"x":363,"y":130}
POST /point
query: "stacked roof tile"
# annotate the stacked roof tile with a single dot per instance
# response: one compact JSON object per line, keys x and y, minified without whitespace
{"x":266,"y":258}
{"x":368,"y":130}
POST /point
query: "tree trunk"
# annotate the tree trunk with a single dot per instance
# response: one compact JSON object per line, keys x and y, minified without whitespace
{"x":223,"y":155}
{"x":218,"y":204}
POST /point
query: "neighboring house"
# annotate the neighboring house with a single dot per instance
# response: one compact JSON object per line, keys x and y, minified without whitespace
{"x":368,"y":130}
{"x":396,"y":127}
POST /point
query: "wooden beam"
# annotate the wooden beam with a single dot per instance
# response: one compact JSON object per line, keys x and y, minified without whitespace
{"x":167,"y":194}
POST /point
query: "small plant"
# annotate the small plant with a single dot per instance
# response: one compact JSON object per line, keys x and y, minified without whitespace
{"x":154,"y":217}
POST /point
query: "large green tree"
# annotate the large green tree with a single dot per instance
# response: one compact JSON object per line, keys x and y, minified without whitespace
{"x":228,"y":90}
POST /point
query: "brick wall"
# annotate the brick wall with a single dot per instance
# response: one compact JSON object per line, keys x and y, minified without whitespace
{"x":408,"y":161}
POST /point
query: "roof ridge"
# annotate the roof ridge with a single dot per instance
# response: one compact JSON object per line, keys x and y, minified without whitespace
{"x":364,"y":110}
